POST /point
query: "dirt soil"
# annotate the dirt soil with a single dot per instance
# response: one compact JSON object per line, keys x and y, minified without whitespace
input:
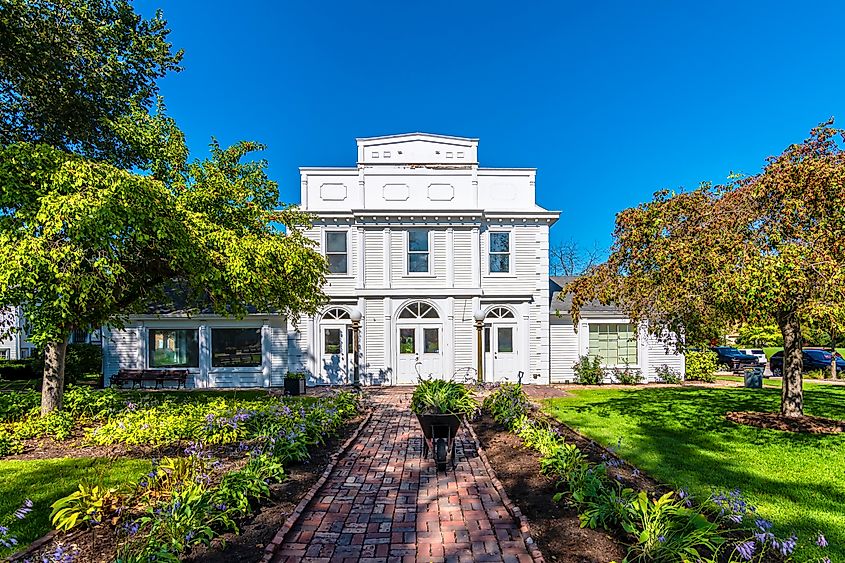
{"x":100,"y":544}
{"x":554,"y":527}
{"x":775,"y":421}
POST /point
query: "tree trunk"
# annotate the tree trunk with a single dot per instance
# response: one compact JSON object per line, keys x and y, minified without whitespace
{"x":53,"y":389}
{"x":833,"y":352}
{"x":792,"y":391}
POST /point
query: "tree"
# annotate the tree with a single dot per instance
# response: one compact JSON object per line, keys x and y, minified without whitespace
{"x":71,"y":69}
{"x":761,"y":249}
{"x":84,"y":243}
{"x":754,"y":335}
{"x":568,"y":259}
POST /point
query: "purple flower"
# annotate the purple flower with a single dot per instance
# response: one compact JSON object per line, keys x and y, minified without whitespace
{"x":661,"y":539}
{"x":746,"y":550}
{"x":788,"y":546}
{"x":763,"y":525}
{"x":821,"y":541}
{"x":25,"y":509}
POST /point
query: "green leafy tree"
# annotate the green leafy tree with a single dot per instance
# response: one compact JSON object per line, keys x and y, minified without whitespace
{"x":84,"y":243}
{"x":762,"y":249}
{"x":754,"y":335}
{"x":71,"y":70}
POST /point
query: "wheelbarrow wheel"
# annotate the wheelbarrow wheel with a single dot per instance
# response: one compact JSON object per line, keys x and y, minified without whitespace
{"x":441,"y":448}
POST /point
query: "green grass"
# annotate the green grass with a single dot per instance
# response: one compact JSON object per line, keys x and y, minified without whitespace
{"x":680,"y":436}
{"x":45,"y":481}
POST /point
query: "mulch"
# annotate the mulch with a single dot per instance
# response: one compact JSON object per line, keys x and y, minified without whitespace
{"x":555,"y":527}
{"x":775,"y":421}
{"x":100,"y":544}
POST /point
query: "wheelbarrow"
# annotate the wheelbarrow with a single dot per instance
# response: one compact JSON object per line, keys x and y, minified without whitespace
{"x":439,"y":431}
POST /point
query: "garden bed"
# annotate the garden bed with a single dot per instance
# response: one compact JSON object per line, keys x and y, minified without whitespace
{"x":775,"y":421}
{"x":554,"y":527}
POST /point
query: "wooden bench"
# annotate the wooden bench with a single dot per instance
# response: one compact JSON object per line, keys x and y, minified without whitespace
{"x":159,"y":376}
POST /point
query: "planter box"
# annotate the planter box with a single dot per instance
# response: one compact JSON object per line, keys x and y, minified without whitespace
{"x":294,"y":387}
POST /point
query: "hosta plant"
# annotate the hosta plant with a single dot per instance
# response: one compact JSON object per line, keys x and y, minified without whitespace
{"x":507,"y":404}
{"x":90,"y":504}
{"x":437,"y":396}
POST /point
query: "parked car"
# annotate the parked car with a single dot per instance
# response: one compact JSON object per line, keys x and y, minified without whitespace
{"x":735,"y":360}
{"x":813,"y":359}
{"x":757,"y":353}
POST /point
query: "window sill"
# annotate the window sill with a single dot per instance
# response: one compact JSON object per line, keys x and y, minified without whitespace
{"x":419,"y":275}
{"x":340,"y":276}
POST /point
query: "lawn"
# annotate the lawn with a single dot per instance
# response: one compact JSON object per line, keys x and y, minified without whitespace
{"x":680,"y":436}
{"x":45,"y":481}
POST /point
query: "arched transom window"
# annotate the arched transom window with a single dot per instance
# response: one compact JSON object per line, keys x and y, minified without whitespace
{"x":500,"y":313}
{"x":419,"y":311}
{"x":336,"y":313}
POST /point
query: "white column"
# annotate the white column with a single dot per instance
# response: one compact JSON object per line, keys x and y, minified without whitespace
{"x":476,"y":257}
{"x":525,"y":330}
{"x":449,"y":336}
{"x":386,"y":243}
{"x":203,"y":378}
{"x":450,"y":258}
{"x":359,"y":250}
{"x":266,"y":356}
{"x":389,"y":337}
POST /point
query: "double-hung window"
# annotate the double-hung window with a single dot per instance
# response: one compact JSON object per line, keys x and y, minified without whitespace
{"x":235,"y":347}
{"x":336,"y":253}
{"x":500,"y":252}
{"x":418,"y":252}
{"x":615,"y":343}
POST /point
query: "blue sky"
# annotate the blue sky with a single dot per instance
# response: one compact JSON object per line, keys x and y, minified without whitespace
{"x":611,"y":101}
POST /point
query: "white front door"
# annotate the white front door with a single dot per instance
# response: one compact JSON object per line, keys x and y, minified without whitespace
{"x":500,"y":353}
{"x":334,"y":359}
{"x":420,"y":353}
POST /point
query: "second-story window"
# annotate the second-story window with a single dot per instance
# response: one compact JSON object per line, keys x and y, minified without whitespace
{"x":336,"y":251}
{"x":418,"y":251}
{"x":500,"y":252}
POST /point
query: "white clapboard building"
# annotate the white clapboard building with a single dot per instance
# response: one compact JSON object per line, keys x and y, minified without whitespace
{"x":420,"y":242}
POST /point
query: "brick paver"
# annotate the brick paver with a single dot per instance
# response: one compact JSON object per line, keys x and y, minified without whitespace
{"x":383,"y":503}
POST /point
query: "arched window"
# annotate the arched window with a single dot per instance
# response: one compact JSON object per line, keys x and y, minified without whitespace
{"x":419,"y":311}
{"x":336,"y":313}
{"x":500,"y":313}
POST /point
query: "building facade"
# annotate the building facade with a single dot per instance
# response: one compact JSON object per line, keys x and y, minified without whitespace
{"x":419,"y":237}
{"x":420,"y":240}
{"x":13,"y":341}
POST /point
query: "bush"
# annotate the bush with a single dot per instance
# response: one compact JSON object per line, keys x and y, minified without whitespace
{"x":627,"y":375}
{"x":507,"y":404}
{"x":667,"y":374}
{"x":701,"y":366}
{"x":589,"y":371}
{"x":18,"y":370}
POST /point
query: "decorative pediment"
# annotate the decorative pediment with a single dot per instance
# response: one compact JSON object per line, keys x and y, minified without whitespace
{"x":418,"y":148}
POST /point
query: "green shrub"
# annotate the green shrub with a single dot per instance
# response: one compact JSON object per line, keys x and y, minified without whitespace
{"x":666,"y":530}
{"x":610,"y":509}
{"x":9,"y":444}
{"x":438,"y":396}
{"x":817,"y":374}
{"x":295,"y":375}
{"x":58,"y":424}
{"x":667,"y":374}
{"x":90,"y":504}
{"x":16,"y":405}
{"x":588,"y":371}
{"x":701,"y":366}
{"x":17,"y":370}
{"x":82,"y":360}
{"x":507,"y":404}
{"x":627,"y":375}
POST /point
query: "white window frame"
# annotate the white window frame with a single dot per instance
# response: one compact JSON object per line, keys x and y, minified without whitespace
{"x":429,"y":251}
{"x":635,"y":341}
{"x":326,"y":252}
{"x":5,"y":353}
{"x":510,"y":272}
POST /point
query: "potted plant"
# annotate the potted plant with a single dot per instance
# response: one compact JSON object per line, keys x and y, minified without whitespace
{"x":440,"y":407}
{"x":295,"y":383}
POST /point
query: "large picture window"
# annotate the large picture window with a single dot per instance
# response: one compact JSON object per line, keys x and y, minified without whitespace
{"x":616,"y":343}
{"x":500,"y":252}
{"x":418,"y":251}
{"x":336,"y":253}
{"x":173,"y":348}
{"x":235,"y":347}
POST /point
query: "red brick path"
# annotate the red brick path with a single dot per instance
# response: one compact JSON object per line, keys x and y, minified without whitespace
{"x":383,"y":503}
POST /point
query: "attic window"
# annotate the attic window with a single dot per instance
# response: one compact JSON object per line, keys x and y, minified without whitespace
{"x":375,"y":154}
{"x":460,"y":155}
{"x":448,"y":155}
{"x":386,"y":154}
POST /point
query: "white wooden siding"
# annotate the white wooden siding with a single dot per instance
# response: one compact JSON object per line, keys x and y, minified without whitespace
{"x":564,"y":351}
{"x":659,"y":354}
{"x":374,"y":369}
{"x":463,"y":258}
{"x":373,"y":257}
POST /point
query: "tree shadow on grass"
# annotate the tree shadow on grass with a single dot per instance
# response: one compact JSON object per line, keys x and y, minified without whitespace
{"x":681,"y":437}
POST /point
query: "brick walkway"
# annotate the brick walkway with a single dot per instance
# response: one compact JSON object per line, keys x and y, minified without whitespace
{"x":383,"y":503}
